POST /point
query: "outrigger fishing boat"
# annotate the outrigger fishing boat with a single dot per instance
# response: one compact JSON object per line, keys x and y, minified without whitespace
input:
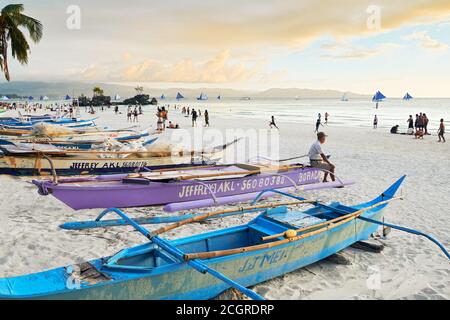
{"x":66,"y":122}
{"x":181,"y":189}
{"x":280,"y":240}
{"x":89,"y":142}
{"x":20,"y":161}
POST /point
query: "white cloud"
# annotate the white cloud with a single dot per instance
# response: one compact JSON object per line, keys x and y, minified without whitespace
{"x":345,"y":50}
{"x":426,"y":42}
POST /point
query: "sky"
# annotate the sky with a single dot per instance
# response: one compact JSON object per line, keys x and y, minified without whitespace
{"x":349,"y":45}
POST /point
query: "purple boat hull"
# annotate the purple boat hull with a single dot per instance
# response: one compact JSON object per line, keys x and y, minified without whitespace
{"x":111,"y":191}
{"x":205,"y":203}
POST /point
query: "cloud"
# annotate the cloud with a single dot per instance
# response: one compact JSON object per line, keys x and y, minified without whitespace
{"x":426,"y":42}
{"x":221,"y":68}
{"x":345,"y":50}
{"x":293,"y":22}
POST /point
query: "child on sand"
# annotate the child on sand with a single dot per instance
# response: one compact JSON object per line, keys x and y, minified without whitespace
{"x":441,"y":131}
{"x":419,"y":134}
{"x":375,"y":122}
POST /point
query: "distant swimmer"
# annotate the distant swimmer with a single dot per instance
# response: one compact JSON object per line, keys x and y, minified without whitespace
{"x":318,"y":159}
{"x":272,"y":123}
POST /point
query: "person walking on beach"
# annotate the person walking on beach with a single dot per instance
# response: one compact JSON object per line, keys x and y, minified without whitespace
{"x":441,"y":131}
{"x":194,"y":118}
{"x":206,"y":118}
{"x":410,"y":125}
{"x":375,"y":122}
{"x":425,"y":123}
{"x":272,"y":123}
{"x":116,"y":109}
{"x":318,"y":124}
{"x":416,"y":122}
{"x":140,"y":109}
{"x":135,"y":114}
{"x":129,"y":114}
{"x":319,"y":160}
{"x":326,"y":118}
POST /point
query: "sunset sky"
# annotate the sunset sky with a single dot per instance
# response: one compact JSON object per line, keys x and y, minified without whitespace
{"x":251,"y":44}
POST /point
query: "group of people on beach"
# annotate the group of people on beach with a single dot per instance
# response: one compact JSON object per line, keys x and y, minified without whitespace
{"x":319,"y":121}
{"x":133,"y":113}
{"x":195,"y":114}
{"x":419,"y":127}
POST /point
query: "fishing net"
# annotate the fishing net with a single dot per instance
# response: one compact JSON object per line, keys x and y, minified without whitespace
{"x":50,"y":130}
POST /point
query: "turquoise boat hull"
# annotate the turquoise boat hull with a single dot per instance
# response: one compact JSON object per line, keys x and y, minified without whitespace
{"x":148,"y":272}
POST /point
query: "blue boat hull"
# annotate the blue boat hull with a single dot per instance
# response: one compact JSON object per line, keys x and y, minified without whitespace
{"x":150,"y":272}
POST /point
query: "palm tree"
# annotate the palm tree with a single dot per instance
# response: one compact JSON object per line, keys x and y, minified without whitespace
{"x":97,"y":91}
{"x":11,"y":22}
{"x":139,"y":90}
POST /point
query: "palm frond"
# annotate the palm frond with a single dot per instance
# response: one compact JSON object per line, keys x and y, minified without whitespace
{"x":12,"y":9}
{"x":19,"y":45}
{"x":34,"y":26}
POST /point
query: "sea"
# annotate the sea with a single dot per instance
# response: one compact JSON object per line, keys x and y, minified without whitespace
{"x":351,"y":113}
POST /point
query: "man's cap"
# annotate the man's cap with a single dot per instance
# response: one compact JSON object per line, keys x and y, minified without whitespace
{"x":321,"y":135}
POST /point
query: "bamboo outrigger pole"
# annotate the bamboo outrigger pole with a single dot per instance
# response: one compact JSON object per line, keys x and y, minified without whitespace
{"x":233,"y":210}
{"x":291,"y":236}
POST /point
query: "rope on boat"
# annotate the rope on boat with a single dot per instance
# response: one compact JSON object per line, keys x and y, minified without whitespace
{"x":412,"y":231}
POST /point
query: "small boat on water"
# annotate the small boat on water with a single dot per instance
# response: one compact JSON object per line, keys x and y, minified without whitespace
{"x":280,"y":240}
{"x":179,"y":96}
{"x":182,"y":189}
{"x":407,"y":97}
{"x":202,"y":97}
{"x":378,"y":97}
{"x":24,"y":161}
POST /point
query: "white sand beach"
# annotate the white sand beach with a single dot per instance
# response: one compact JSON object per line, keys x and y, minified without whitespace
{"x":410,"y":267}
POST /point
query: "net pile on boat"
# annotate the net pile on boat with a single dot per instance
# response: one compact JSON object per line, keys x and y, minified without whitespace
{"x":50,"y":130}
{"x":137,"y":147}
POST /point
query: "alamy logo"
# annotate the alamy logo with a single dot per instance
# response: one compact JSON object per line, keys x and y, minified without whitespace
{"x":374,"y":19}
{"x":73,"y":22}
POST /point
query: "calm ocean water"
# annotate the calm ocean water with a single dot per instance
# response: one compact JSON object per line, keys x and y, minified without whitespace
{"x":352,"y":113}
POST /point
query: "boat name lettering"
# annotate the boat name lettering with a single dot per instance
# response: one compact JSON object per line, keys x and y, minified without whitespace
{"x":204,"y":189}
{"x":263,"y":260}
{"x":95,"y":165}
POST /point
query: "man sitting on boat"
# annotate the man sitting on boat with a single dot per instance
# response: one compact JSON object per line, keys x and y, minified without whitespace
{"x":318,"y":159}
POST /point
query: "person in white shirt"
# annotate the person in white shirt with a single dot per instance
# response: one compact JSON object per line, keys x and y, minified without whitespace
{"x":318,"y":159}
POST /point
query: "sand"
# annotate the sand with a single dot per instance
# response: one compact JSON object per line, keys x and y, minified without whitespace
{"x":409,"y":267}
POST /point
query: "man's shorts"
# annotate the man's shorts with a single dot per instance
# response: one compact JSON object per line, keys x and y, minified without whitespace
{"x":320,"y":164}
